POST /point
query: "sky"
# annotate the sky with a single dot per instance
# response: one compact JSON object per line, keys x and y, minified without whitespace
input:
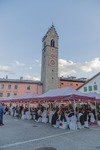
{"x":23,"y":23}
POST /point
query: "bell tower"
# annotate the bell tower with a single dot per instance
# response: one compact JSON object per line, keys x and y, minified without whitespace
{"x":49,"y":68}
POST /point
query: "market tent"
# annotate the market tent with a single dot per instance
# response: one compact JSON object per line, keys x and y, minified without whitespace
{"x":28,"y":95}
{"x":8,"y":99}
{"x":63,"y":94}
{"x":94,"y":94}
{"x":3,"y":99}
{"x":24,"y":97}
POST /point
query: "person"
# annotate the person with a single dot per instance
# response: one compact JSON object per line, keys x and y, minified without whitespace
{"x":79,"y":121}
{"x":20,"y":111}
{"x":1,"y":114}
{"x":32,"y":110}
{"x":55,"y":118}
{"x":62,"y":116}
{"x":85,"y":116}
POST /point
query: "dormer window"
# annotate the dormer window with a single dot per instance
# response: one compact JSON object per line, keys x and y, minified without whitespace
{"x":52,"y":43}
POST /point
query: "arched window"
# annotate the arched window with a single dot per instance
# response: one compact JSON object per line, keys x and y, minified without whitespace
{"x":52,"y":43}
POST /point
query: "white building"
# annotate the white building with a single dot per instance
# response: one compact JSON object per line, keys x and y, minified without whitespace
{"x":92,"y":85}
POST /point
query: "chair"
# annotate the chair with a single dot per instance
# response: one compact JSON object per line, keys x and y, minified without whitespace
{"x":45,"y":120}
{"x":63,"y":125}
{"x":44,"y":116}
{"x":72,"y":124}
{"x":39,"y":119}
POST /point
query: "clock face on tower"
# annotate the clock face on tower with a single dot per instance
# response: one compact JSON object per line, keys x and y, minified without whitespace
{"x":52,"y":62}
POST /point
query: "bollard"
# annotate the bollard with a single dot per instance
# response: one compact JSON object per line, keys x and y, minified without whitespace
{"x":46,"y":148}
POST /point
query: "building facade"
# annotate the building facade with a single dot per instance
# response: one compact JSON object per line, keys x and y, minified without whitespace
{"x":92,"y":85}
{"x":17,"y":87}
{"x":12,"y":87}
{"x":49,"y":68}
{"x":71,"y":82}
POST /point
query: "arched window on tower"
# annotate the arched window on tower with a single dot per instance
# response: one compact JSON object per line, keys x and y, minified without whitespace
{"x":52,"y":43}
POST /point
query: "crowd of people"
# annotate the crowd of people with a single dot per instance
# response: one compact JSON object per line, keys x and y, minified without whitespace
{"x":62,"y":116}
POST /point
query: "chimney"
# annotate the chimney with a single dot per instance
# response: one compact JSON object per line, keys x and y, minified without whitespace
{"x":6,"y":77}
{"x":21,"y":78}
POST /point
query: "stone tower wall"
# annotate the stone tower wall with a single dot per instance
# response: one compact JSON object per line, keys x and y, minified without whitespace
{"x":49,"y":70}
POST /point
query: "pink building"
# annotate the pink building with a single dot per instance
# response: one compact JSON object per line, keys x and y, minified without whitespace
{"x":17,"y":87}
{"x":71,"y":82}
{"x":11,"y":87}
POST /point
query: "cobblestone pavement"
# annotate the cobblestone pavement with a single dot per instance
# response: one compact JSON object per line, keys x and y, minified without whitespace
{"x":29,"y":135}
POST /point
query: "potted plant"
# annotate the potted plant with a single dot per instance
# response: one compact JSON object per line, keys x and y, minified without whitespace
{"x":98,"y":118}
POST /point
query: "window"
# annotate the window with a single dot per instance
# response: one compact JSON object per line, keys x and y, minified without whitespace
{"x":1,"y":86}
{"x":52,"y":43}
{"x":95,"y":87}
{"x":15,"y":94}
{"x":76,"y":84}
{"x":16,"y":86}
{"x":28,"y":87}
{"x":85,"y":89}
{"x":1,"y":94}
{"x":90,"y":88}
{"x":9,"y":86}
{"x":8,"y":94}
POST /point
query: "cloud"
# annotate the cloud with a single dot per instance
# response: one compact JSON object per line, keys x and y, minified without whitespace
{"x":6,"y":69}
{"x":31,"y":77}
{"x":30,"y":68}
{"x":19,"y":63}
{"x":37,"y":60}
{"x":92,"y":65}
{"x":68,"y":67}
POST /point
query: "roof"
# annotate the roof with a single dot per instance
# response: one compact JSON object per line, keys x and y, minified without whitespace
{"x":82,"y":80}
{"x":89,"y":80}
{"x":20,"y":81}
{"x":49,"y":30}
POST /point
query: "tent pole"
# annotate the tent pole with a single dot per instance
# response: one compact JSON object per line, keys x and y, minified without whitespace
{"x":46,"y":104}
{"x":74,"y":105}
{"x":95,"y":110}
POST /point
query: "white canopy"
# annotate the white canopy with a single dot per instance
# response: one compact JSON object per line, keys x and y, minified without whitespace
{"x":63,"y":93}
{"x":93,"y":94}
{"x":26,"y":96}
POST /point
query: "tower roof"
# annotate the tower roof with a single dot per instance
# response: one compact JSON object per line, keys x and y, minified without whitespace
{"x":49,"y":30}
